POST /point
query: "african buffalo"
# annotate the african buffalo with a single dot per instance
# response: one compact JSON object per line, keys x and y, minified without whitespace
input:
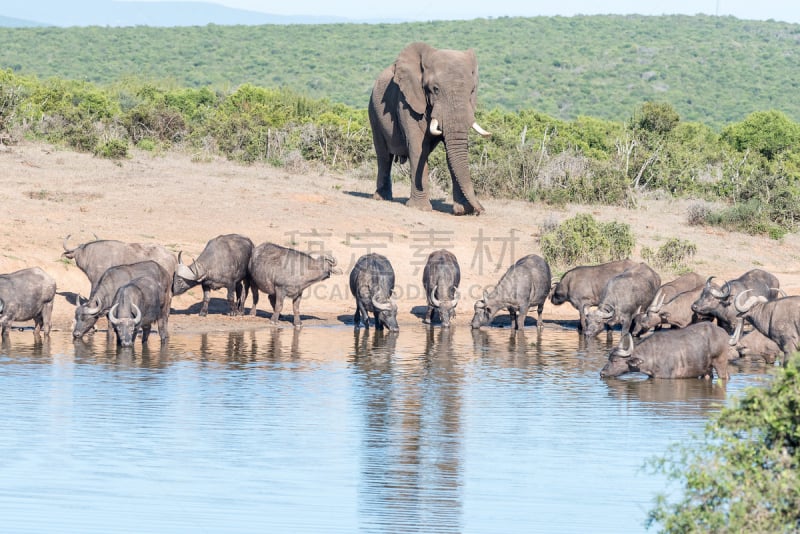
{"x":95,"y":257}
{"x":282,"y":272}
{"x":372,"y":284}
{"x":778,"y":319}
{"x":718,"y":301}
{"x":524,"y":284}
{"x":222,"y":264}
{"x":24,"y":295}
{"x":754,"y":343}
{"x":581,"y":286}
{"x":677,"y":312}
{"x":103,"y":292}
{"x":139,"y":303}
{"x":689,"y":352}
{"x":441,"y":278}
{"x":623,"y":296}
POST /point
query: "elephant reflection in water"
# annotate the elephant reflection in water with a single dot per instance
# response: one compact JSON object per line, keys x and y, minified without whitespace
{"x":412,"y":473}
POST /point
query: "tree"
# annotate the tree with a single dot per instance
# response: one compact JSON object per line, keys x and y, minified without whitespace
{"x":744,"y":475}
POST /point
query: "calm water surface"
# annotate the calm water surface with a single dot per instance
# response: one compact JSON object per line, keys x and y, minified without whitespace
{"x":327,"y":430}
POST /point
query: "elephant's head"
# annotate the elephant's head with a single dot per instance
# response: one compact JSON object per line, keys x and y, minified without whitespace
{"x":442,"y":86}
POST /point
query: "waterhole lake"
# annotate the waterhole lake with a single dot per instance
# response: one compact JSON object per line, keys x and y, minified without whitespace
{"x":327,"y":429}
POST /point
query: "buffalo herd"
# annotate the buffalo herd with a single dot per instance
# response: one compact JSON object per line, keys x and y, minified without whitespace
{"x":688,"y":327}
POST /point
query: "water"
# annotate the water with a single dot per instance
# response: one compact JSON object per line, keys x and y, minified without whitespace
{"x":327,"y":430}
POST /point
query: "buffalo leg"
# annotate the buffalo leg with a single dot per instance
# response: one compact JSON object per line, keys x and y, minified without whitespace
{"x":378,"y":323}
{"x":277,"y":305}
{"x":428,"y":315}
{"x":47,"y":314}
{"x":234,"y":292}
{"x":254,"y":309}
{"x":206,"y":300}
{"x":163,"y":329}
{"x":539,"y":323}
{"x":296,"y":310}
{"x":362,"y":316}
{"x":520,"y":323}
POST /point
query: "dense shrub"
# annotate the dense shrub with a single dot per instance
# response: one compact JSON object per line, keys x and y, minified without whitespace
{"x":674,"y":254}
{"x":582,"y":240}
{"x":743,"y":474}
{"x":767,"y":132}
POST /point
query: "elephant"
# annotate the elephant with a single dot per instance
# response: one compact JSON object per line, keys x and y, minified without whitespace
{"x":427,"y":96}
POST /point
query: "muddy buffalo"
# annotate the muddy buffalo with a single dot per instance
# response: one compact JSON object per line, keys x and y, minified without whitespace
{"x":524,"y":285}
{"x":581,"y":286}
{"x":95,"y":257}
{"x":690,"y":352}
{"x":440,"y":279}
{"x":139,"y":304}
{"x":27,"y":295}
{"x":718,"y":301}
{"x":102,"y":296}
{"x":777,"y":319}
{"x":222,"y":265}
{"x":372,"y":284}
{"x":624,"y":295}
{"x":282,"y":272}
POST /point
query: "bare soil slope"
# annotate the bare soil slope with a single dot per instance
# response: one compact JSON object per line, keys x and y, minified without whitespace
{"x":48,"y":193}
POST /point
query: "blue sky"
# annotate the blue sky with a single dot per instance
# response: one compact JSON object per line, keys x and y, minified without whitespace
{"x":783,"y":10}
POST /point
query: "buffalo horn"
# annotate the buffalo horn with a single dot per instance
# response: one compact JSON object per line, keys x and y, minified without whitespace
{"x":744,"y":307}
{"x":655,"y":306}
{"x":726,"y":289}
{"x":605,"y":314}
{"x":137,"y":314}
{"x":481,"y":131}
{"x":737,"y":333}
{"x":456,"y":296}
{"x":183,"y":271}
{"x":381,"y":305}
{"x":95,"y":309}
{"x":112,"y":315}
{"x":621,"y":349}
{"x":434,"y":300}
{"x":2,"y":305}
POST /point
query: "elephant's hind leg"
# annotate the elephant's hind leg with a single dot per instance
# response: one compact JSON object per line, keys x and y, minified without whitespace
{"x":383,"y":189}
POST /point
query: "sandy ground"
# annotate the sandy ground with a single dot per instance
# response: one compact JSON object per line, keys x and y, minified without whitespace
{"x":48,"y":193}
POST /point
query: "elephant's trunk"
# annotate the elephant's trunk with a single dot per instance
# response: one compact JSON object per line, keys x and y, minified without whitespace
{"x":457,"y":148}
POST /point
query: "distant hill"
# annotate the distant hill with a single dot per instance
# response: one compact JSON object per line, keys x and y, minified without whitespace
{"x":121,"y":13}
{"x":9,"y":22}
{"x":714,"y":70}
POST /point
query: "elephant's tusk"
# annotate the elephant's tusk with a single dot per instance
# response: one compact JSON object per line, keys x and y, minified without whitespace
{"x":477,"y":128}
{"x":434,"y":129}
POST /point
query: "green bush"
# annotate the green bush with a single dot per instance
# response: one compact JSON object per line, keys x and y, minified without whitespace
{"x":582,"y":240}
{"x":743,"y":475}
{"x":112,"y":149}
{"x":673,"y":254}
{"x":767,"y":132}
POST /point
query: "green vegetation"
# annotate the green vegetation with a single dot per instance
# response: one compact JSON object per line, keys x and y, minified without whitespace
{"x":582,"y":240}
{"x":714,"y":70}
{"x":530,"y":156}
{"x":673,"y":254}
{"x":743,"y":475}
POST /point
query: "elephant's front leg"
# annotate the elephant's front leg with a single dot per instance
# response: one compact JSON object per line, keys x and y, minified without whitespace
{"x":418,"y":158}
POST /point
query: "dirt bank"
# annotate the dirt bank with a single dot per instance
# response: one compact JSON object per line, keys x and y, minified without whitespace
{"x":48,"y":193}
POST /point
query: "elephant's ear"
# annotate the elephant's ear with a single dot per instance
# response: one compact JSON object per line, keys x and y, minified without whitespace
{"x":473,"y":60}
{"x":408,"y":75}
